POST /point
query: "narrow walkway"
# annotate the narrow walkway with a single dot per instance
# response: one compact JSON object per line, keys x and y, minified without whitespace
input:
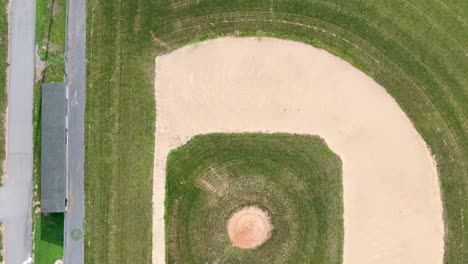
{"x":76,"y":74}
{"x":16,"y":194}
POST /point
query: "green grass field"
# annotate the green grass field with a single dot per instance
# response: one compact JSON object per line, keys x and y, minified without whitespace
{"x":417,"y":50}
{"x":295,"y":178}
{"x":3,"y":80}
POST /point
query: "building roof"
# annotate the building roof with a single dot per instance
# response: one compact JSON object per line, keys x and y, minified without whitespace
{"x":53,"y":148}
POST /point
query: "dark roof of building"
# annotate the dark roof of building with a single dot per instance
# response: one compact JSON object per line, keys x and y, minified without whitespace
{"x":53,"y":148}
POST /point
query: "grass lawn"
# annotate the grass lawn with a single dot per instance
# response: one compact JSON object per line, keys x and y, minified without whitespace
{"x":297,"y":179}
{"x":3,"y":80}
{"x":48,"y":238}
{"x":417,"y":50}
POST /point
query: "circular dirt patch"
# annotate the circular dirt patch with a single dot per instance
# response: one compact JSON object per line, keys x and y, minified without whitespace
{"x":249,"y":228}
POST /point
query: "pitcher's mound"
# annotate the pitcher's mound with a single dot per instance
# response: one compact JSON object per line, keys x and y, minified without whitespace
{"x":249,"y":228}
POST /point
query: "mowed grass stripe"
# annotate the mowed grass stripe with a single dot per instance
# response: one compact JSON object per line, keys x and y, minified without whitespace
{"x":417,"y":50}
{"x":119,"y":134}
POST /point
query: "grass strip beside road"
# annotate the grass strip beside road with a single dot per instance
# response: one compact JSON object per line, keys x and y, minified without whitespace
{"x":3,"y":80}
{"x":415,"y":49}
{"x":1,"y":244}
{"x":50,"y":38}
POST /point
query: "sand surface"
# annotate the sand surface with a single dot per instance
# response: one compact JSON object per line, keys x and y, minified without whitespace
{"x":392,"y":204}
{"x":249,"y":228}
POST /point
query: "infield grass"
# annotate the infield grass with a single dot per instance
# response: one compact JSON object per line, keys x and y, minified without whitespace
{"x":297,"y":179}
{"x":417,"y":50}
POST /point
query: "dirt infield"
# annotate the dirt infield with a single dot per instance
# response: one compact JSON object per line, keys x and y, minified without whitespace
{"x":393,"y":211}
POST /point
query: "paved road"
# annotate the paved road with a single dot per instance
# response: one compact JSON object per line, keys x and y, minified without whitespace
{"x":76,"y":73}
{"x":16,"y":195}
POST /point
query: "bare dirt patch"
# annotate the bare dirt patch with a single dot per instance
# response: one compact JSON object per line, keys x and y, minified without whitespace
{"x":249,"y":228}
{"x":392,"y":205}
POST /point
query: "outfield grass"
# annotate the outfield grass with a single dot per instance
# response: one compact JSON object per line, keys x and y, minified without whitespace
{"x":295,"y":178}
{"x":48,"y":238}
{"x":416,"y":49}
{"x":3,"y":80}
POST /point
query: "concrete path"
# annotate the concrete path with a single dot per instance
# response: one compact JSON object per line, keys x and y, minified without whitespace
{"x":76,"y":73}
{"x":16,"y":195}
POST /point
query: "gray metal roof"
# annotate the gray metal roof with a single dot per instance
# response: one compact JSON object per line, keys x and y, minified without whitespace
{"x":53,"y":152}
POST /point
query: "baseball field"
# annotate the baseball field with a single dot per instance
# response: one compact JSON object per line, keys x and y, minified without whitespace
{"x":416,"y":50}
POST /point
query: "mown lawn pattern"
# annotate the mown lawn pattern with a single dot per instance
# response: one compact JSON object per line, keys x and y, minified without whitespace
{"x":417,"y":50}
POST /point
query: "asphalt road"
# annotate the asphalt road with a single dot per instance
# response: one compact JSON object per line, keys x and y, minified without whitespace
{"x":76,"y":73}
{"x":16,"y":194}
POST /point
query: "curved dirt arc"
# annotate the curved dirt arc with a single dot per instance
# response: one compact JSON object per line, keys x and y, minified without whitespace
{"x":393,"y":210}
{"x":215,"y":180}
